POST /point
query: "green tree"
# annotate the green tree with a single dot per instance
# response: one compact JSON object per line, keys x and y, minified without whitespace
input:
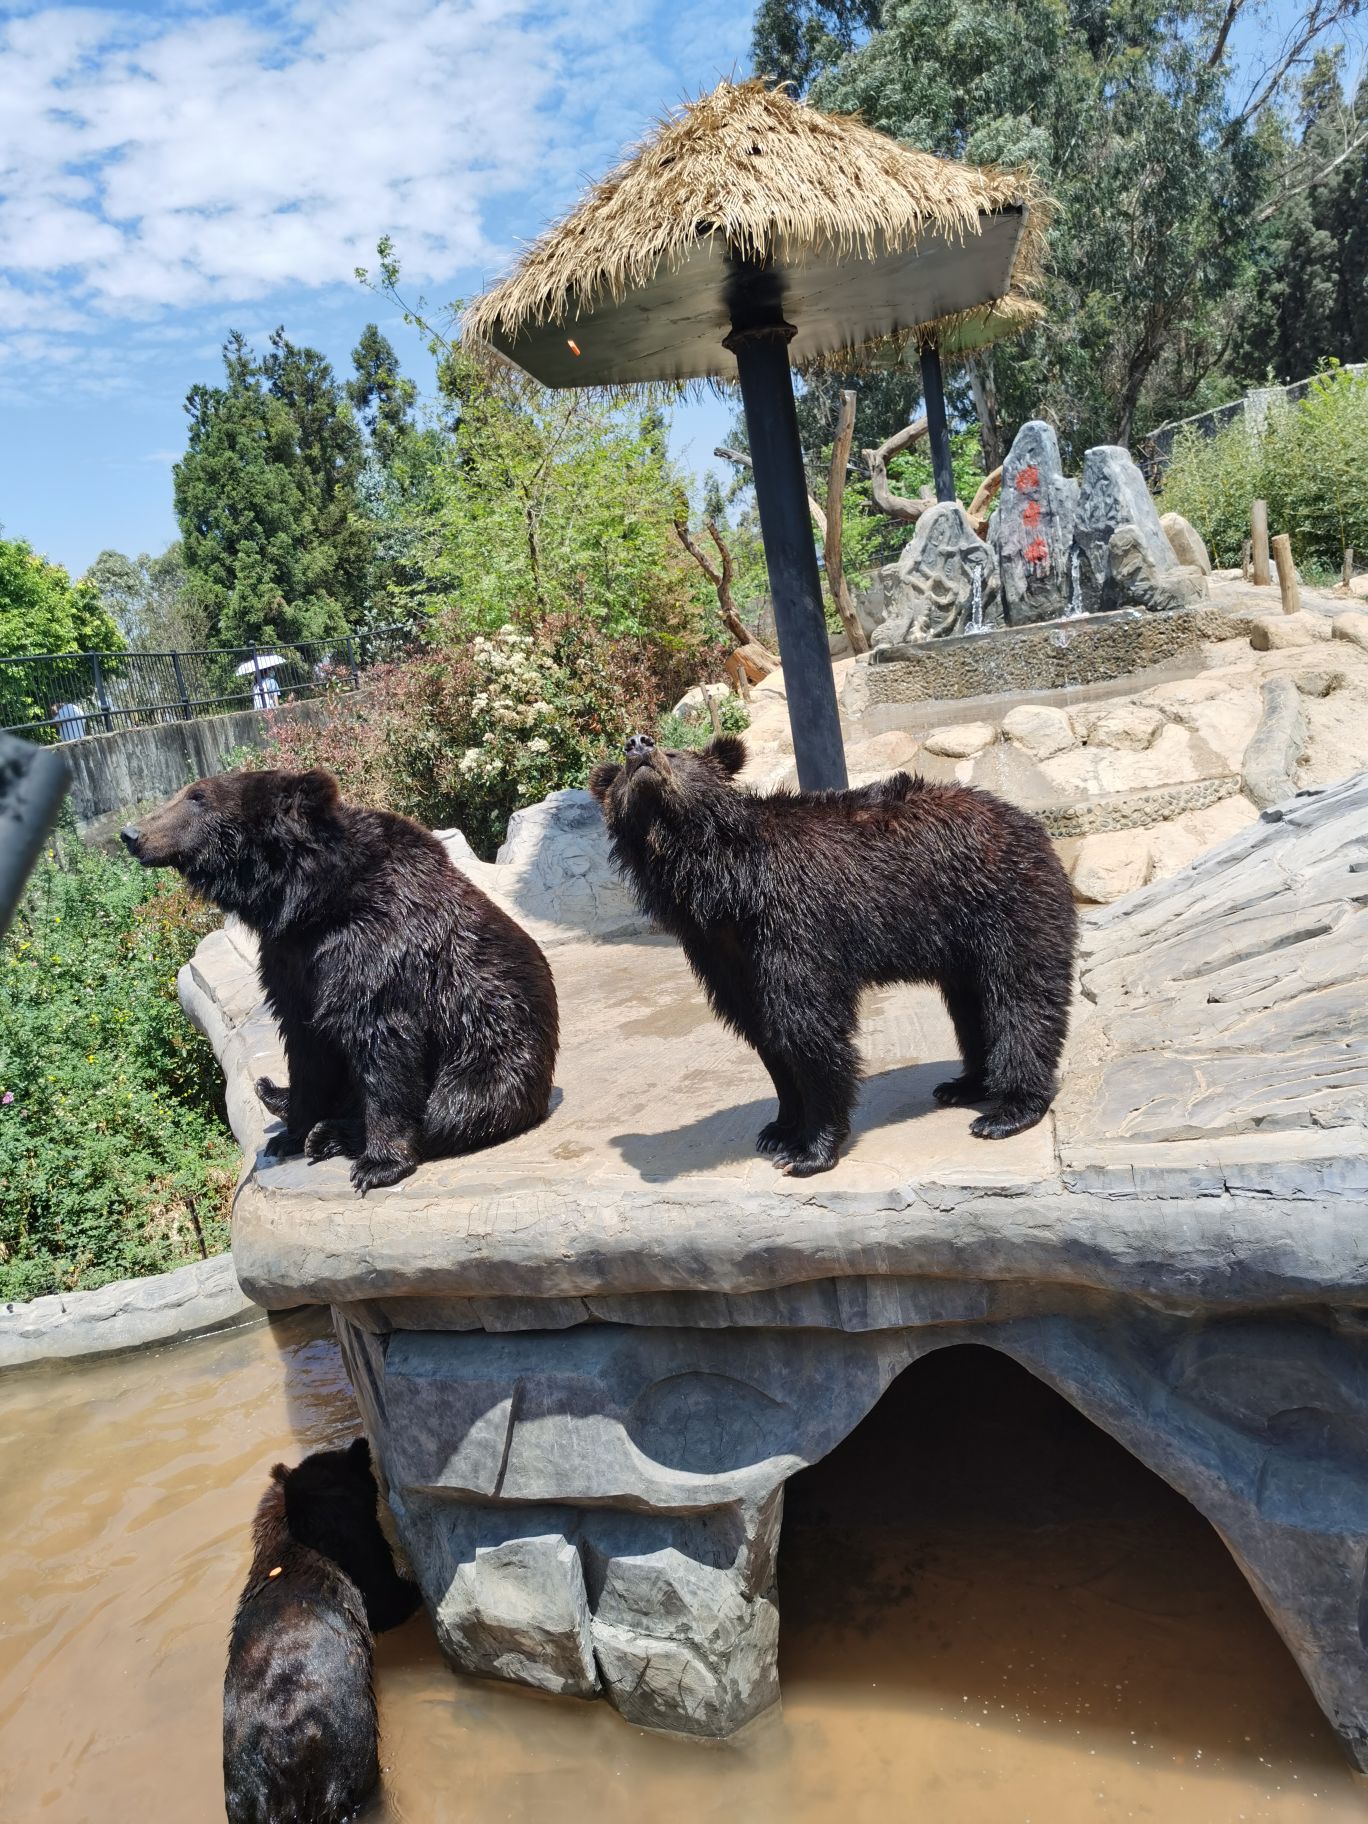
{"x":147,"y":597}
{"x":275,"y":545}
{"x":43,"y":611}
{"x":380,"y":395}
{"x":1126,"y":113}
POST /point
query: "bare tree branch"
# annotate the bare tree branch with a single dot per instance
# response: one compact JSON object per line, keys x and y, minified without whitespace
{"x":1318,"y":18}
{"x":721,"y":580}
{"x":897,"y":506}
{"x":1311,"y":178}
{"x":1232,"y":13}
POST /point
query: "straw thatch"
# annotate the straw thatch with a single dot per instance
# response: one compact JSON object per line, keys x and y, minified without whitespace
{"x":771,"y":177}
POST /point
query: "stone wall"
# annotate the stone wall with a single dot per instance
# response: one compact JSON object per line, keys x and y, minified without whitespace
{"x":114,"y":774}
{"x":1048,"y":656}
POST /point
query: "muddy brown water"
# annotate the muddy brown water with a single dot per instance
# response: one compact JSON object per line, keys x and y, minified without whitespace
{"x":991,"y":1615}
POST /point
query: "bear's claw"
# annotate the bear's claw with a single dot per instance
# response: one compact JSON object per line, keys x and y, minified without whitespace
{"x":272,"y":1097}
{"x":283,"y":1145}
{"x":326,"y":1139}
{"x":371,"y":1173}
{"x":776,"y":1137}
{"x":959,"y":1092}
{"x":1007,"y":1118}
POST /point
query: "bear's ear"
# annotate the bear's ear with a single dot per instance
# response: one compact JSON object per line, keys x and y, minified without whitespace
{"x":280,"y":1473}
{"x":729,"y":751}
{"x":315,"y":793}
{"x":358,"y":1453}
{"x":602,"y":777}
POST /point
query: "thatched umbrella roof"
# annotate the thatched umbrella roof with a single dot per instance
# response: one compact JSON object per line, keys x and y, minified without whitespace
{"x":868,"y":239}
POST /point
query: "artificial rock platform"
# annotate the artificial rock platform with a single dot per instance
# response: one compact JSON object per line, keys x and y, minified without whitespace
{"x":590,"y":1359}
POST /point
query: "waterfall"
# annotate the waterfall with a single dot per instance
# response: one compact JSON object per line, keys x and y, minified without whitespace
{"x":975,"y":600}
{"x":1075,"y":587}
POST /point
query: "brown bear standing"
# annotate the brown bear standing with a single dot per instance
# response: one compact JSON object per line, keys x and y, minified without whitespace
{"x":419,"y":1020}
{"x":787,"y":906}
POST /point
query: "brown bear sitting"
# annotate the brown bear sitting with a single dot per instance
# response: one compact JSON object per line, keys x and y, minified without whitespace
{"x":787,"y":906}
{"x":419,"y":1020}
{"x":299,"y":1723}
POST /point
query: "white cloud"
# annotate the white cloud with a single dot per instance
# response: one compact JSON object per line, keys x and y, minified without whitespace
{"x":157,"y":162}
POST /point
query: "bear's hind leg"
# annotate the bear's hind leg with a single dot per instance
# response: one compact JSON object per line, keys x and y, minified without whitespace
{"x":1025,"y":1037}
{"x":272,"y":1097}
{"x":966,"y":1013}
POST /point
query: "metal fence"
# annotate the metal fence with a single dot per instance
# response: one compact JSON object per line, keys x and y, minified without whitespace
{"x":70,"y":696}
{"x":1156,"y":447}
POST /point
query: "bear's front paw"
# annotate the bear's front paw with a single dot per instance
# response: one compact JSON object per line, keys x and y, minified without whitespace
{"x":1007,"y":1118}
{"x":283,"y":1145}
{"x":814,"y":1153}
{"x":959,"y":1092}
{"x":776,"y":1137}
{"x":272,"y":1097}
{"x":371,"y":1173}
{"x":325,"y":1141}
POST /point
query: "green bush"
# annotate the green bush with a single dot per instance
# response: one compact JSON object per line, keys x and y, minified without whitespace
{"x":115,"y":1159}
{"x":679,"y":732}
{"x":1310,"y":465}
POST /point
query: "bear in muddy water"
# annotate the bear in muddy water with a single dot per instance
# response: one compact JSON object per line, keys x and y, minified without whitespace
{"x":789,"y":905}
{"x":300,"y":1738}
{"x":419,"y":1019}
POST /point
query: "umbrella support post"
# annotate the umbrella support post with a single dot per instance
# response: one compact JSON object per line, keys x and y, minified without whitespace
{"x":760,"y":345}
{"x":937,"y":433}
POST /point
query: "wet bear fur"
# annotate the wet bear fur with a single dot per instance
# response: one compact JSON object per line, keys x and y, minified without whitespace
{"x":419,"y":1020}
{"x":789,"y":905}
{"x":300,"y":1741}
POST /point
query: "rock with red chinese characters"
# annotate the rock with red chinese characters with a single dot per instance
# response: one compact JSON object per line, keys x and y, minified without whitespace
{"x":1113,"y":494}
{"x":1035,"y":528}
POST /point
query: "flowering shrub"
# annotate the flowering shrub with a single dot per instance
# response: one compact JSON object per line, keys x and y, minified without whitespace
{"x":115,"y":1159}
{"x":486,"y":723}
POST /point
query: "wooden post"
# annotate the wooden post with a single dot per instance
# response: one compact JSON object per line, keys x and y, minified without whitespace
{"x":1245,"y":549}
{"x":713,"y":715}
{"x":1258,"y":527}
{"x":1287,"y":574}
{"x":1347,"y":573}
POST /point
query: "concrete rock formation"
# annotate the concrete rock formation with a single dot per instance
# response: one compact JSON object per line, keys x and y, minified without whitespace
{"x":1189,"y":547}
{"x":1113,"y":494}
{"x":931,"y":590}
{"x":1135,"y":580}
{"x":590,"y":1359}
{"x":1035,"y":527}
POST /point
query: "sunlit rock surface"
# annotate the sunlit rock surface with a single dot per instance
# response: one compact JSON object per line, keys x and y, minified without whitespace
{"x":591,"y":1358}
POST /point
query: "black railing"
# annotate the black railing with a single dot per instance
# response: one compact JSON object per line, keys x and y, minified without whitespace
{"x":70,"y":696}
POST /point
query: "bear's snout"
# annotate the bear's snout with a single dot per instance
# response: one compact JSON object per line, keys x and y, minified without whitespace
{"x":639,"y":747}
{"x":130,"y":836}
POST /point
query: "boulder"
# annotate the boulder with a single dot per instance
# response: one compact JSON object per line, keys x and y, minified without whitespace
{"x":1034,"y":527}
{"x":1113,"y":493}
{"x":1135,"y":580}
{"x":1279,"y":632}
{"x":1109,"y":865}
{"x":930,"y":590}
{"x":1128,"y":725}
{"x":1189,"y":547}
{"x":1039,"y":730}
{"x":962,"y":740}
{"x":1351,"y":626}
{"x":693,"y":705}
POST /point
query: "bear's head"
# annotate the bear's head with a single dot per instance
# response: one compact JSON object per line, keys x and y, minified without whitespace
{"x":332,"y":1505}
{"x":651,"y":782}
{"x":241,"y":839}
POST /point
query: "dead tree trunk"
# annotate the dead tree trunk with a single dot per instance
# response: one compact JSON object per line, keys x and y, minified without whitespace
{"x":831,"y":531}
{"x":897,"y":506}
{"x":983,"y":385}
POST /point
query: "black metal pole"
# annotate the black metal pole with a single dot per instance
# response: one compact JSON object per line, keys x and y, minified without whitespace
{"x":937,"y":434}
{"x":759,"y":340}
{"x":33,"y":782}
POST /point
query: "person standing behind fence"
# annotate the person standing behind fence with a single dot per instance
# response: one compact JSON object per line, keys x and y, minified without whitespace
{"x":70,"y":719}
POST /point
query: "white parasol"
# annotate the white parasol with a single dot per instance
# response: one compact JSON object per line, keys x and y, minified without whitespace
{"x":263,"y":662}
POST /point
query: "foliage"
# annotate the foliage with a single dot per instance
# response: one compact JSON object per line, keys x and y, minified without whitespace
{"x":1310,"y":465}
{"x":1308,"y":296}
{"x":42,"y":610}
{"x":380,"y":395}
{"x":114,"y":1156}
{"x":697,"y":731}
{"x":266,"y":496}
{"x":486,"y":724}
{"x":148,"y":598}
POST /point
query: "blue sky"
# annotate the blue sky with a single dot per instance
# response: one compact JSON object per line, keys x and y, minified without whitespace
{"x":169,"y":172}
